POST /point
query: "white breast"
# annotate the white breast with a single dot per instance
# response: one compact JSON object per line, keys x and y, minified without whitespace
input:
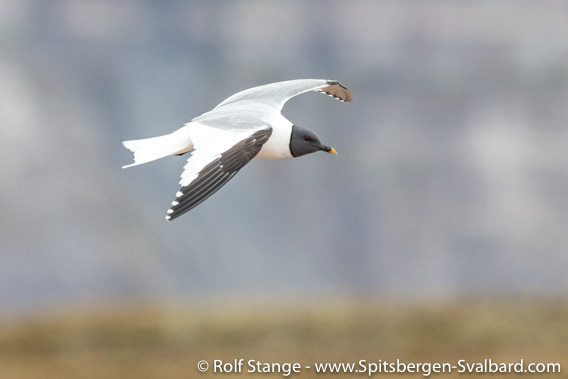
{"x":278,"y":145}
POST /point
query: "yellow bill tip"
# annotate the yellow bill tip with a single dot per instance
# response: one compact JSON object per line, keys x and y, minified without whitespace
{"x":333,"y":151}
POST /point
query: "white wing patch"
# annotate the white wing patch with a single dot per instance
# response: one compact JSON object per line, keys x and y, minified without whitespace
{"x":210,"y":144}
{"x":208,"y":169}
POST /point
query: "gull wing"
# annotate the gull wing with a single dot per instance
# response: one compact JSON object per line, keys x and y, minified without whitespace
{"x":280,"y":92}
{"x":219,"y":154}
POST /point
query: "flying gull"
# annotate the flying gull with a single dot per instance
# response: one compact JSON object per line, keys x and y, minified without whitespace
{"x":247,"y":125}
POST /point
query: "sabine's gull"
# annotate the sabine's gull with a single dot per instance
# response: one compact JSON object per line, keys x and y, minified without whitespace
{"x":247,"y":125}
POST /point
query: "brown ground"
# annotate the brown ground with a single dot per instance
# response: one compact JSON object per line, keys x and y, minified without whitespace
{"x":166,"y":342}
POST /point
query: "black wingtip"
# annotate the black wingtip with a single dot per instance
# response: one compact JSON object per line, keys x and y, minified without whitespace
{"x":335,"y":83}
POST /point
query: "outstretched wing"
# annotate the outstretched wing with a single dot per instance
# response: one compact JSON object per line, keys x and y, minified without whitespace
{"x":212,"y":165}
{"x":279,"y":93}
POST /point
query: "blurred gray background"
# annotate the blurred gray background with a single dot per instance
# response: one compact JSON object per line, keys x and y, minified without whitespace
{"x":451,"y":178}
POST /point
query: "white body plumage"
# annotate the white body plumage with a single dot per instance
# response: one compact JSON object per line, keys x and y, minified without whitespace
{"x":246,"y":125}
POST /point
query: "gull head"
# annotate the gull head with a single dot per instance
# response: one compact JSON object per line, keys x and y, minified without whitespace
{"x":304,"y":141}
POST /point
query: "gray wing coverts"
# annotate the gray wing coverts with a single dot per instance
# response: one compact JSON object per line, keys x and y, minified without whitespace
{"x":217,"y":173}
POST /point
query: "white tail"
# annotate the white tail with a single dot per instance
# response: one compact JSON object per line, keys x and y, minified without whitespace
{"x":150,"y":149}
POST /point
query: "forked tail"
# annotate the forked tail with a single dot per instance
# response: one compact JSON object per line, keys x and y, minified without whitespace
{"x":150,"y":149}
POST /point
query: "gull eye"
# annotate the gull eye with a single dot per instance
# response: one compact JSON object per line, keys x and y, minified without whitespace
{"x":307,"y":138}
